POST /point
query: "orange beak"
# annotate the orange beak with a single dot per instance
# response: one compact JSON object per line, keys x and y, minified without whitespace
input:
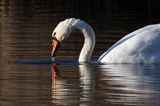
{"x":55,"y":46}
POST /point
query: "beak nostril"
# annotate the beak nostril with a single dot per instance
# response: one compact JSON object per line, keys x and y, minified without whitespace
{"x":51,"y":42}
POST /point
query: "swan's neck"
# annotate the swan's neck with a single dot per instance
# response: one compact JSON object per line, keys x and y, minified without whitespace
{"x":89,"y":41}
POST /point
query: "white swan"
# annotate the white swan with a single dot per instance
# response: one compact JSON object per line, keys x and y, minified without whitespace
{"x":140,"y":46}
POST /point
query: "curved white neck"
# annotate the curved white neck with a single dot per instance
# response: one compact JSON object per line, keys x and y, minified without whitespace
{"x":89,"y":42}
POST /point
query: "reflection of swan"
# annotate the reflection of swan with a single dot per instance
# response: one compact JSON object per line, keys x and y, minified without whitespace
{"x":140,"y":46}
{"x":87,"y":81}
{"x":59,"y":90}
{"x":130,"y":84}
{"x":72,"y":91}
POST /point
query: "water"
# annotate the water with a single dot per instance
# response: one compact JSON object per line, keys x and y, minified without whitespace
{"x":79,"y":85}
{"x":27,"y":78}
{"x":106,"y":84}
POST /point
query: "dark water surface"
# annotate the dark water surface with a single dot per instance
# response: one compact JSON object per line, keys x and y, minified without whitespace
{"x":25,"y":36}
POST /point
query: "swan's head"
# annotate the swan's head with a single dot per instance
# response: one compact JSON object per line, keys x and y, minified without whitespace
{"x":60,"y":33}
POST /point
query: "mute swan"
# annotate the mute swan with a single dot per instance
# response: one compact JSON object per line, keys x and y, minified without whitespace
{"x":140,"y":46}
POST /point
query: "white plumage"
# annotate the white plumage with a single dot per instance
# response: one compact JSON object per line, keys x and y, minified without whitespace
{"x":140,"y":46}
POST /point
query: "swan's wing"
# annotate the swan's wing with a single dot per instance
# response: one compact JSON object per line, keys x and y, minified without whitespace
{"x":125,"y":38}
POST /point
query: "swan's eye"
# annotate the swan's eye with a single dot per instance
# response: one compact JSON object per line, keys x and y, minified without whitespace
{"x":54,"y":33}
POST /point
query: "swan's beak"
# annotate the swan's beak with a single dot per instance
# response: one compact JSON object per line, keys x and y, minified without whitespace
{"x":55,"y":46}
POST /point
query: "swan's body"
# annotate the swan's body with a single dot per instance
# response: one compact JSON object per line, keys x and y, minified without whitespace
{"x":140,"y":46}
